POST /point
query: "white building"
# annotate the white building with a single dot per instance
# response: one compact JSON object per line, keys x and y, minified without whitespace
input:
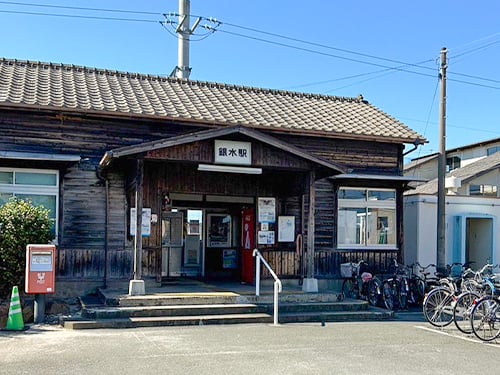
{"x":472,"y":207}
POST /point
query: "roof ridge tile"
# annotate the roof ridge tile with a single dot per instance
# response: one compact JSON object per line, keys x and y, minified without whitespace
{"x":93,"y":89}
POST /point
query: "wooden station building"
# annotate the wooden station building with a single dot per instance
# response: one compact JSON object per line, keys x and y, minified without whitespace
{"x":217,"y":170}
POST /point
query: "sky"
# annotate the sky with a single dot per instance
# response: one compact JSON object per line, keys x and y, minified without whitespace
{"x":387,"y":50}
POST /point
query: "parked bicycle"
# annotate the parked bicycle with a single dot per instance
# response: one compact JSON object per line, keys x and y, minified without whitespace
{"x":360,"y":283}
{"x":396,"y":288}
{"x":439,"y":302}
{"x":485,"y":318}
{"x":481,"y":284}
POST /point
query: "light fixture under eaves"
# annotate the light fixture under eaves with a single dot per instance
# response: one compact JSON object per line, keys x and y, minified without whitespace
{"x":228,"y":169}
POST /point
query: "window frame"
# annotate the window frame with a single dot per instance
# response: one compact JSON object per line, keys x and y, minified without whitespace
{"x":367,"y":204}
{"x":32,"y":189}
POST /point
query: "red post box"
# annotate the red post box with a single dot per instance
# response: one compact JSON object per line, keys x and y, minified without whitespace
{"x":40,"y":269}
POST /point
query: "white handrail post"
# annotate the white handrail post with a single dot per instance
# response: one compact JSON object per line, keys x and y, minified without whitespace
{"x":257,"y":272}
{"x":277,"y":282}
{"x":276,"y":290}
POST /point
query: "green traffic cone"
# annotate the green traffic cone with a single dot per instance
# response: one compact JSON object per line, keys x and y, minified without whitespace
{"x":15,"y":320}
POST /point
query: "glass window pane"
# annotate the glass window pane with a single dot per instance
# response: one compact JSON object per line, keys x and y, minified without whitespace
{"x":381,"y":226}
{"x":381,"y":195}
{"x":4,"y":198}
{"x":47,"y":201}
{"x":352,"y":226}
{"x":31,"y":178}
{"x":352,"y":194}
{"x":6,"y":178}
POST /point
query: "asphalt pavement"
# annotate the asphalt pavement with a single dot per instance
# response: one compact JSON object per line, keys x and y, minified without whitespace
{"x":403,"y":346}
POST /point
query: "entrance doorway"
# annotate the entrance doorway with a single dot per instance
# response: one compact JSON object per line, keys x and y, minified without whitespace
{"x":473,"y":239}
{"x":182,"y":243}
{"x":479,"y":241}
{"x":206,"y":242}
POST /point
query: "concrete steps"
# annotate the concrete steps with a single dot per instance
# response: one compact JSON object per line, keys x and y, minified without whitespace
{"x":113,"y":310}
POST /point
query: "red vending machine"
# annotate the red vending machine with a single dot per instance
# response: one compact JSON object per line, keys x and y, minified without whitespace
{"x":248,"y":245}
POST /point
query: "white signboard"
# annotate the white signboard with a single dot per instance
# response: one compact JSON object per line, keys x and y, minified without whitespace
{"x":286,"y":228}
{"x":266,"y":237}
{"x":146,"y":222}
{"x":267,"y":210}
{"x":232,"y":152}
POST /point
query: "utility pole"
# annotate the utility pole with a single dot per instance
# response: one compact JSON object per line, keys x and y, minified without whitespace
{"x":184,"y":30}
{"x":441,"y":214}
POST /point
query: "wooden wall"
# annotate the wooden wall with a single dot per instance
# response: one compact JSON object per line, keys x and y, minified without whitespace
{"x":83,"y":249}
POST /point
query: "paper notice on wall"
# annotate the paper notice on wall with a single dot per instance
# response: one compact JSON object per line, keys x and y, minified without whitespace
{"x":286,"y":228}
{"x":266,"y":237}
{"x":146,"y":222}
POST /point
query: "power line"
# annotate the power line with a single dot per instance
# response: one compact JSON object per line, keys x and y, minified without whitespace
{"x":321,"y":53}
{"x":212,"y":29}
{"x":209,"y":19}
{"x":419,"y":65}
{"x":78,"y":16}
{"x":79,"y":8}
{"x":475,"y":77}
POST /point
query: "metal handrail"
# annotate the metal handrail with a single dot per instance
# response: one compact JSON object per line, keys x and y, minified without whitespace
{"x":277,"y":281}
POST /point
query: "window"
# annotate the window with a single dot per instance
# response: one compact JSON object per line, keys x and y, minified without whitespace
{"x":452,"y":163}
{"x":483,"y":190}
{"x":366,"y":218}
{"x":39,"y":186}
{"x":492,"y":150}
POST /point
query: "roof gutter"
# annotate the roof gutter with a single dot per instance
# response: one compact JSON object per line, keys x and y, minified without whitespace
{"x":106,"y":159}
{"x":417,"y":143}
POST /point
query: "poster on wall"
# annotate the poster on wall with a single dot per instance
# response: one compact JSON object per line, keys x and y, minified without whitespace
{"x":218,"y":230}
{"x":267,"y":210}
{"x":266,"y":237}
{"x":286,"y":228}
{"x":229,"y":259}
{"x":146,"y":222}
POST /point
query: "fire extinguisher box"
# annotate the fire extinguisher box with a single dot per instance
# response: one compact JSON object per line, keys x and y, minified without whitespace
{"x":40,"y":269}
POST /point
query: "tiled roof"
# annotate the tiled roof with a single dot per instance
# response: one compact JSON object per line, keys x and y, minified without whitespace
{"x":415,"y":163}
{"x":40,"y":85}
{"x":466,"y":173}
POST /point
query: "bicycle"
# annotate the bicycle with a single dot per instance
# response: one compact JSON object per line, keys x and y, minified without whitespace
{"x":480,"y":284}
{"x":395,"y":289}
{"x":359,"y":283}
{"x":439,"y":302}
{"x":485,"y":318}
{"x":430,"y":279}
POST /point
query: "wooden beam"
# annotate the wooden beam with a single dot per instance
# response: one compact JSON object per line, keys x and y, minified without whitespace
{"x":311,"y":225}
{"x":138,"y":227}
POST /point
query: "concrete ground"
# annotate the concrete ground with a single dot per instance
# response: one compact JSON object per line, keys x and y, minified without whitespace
{"x":396,"y":347}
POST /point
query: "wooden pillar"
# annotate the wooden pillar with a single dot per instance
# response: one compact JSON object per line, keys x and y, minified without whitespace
{"x":310,"y":227}
{"x":136,"y":286}
{"x":310,"y":284}
{"x":138,"y":227}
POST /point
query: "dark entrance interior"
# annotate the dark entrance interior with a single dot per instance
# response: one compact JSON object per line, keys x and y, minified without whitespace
{"x":203,"y":240}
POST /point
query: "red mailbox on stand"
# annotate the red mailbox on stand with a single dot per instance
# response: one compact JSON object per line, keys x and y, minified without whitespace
{"x":40,"y":269}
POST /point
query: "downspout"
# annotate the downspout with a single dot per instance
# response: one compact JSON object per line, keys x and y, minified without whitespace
{"x":106,"y":224}
{"x":415,"y":146}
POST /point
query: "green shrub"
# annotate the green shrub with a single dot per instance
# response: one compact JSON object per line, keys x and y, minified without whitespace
{"x":21,"y":223}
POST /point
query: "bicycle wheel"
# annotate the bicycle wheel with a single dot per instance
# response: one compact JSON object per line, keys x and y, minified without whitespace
{"x":420,"y":289}
{"x":462,"y":311}
{"x":417,"y":291}
{"x":485,"y":319}
{"x":388,"y":295}
{"x":374,"y":290}
{"x":403,"y":292}
{"x":437,"y":307}
{"x":350,"y":289}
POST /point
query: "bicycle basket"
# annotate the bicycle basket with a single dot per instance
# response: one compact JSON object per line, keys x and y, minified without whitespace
{"x":366,"y":276}
{"x":348,"y":269}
